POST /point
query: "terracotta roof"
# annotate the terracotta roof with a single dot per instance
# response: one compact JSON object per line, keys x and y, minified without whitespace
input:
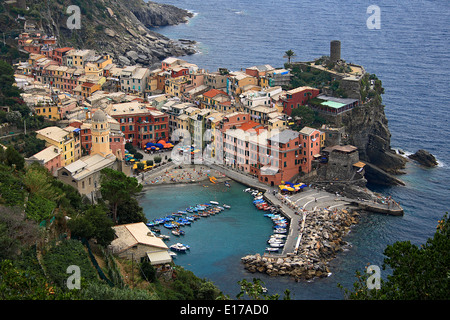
{"x":214,"y":92}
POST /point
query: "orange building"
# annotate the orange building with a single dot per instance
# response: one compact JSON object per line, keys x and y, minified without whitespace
{"x":311,"y":146}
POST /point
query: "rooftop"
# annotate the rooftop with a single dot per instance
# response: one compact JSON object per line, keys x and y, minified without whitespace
{"x":285,"y":136}
{"x":132,"y":234}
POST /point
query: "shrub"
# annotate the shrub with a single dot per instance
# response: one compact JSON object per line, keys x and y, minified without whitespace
{"x":157,"y":159}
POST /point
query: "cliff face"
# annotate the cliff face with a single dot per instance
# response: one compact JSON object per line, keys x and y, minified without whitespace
{"x":117,"y":27}
{"x":366,"y":127}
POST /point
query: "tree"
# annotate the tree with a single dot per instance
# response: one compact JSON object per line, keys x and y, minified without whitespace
{"x":130,"y":212}
{"x":93,"y":224}
{"x":306,"y":114}
{"x":418,"y":273}
{"x":140,"y":166}
{"x":289,"y":54}
{"x":116,"y":188}
{"x":14,"y":158}
{"x":255,"y":291}
{"x":157,"y":159}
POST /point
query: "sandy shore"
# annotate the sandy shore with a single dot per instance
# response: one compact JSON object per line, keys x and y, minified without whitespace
{"x":185,"y":174}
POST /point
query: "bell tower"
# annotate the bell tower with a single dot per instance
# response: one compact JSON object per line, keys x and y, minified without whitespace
{"x":100,"y":134}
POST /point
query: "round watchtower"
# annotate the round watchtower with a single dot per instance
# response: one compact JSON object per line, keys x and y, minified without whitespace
{"x":335,"y":50}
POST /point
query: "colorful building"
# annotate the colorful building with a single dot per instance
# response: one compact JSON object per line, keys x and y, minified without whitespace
{"x":67,"y":139}
{"x":297,"y":97}
{"x":140,"y":123}
{"x":311,"y":141}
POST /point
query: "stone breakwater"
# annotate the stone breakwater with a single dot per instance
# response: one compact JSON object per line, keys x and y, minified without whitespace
{"x":321,"y":240}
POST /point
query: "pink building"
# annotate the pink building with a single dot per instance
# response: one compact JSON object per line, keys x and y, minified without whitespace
{"x":311,"y":146}
{"x":50,"y":158}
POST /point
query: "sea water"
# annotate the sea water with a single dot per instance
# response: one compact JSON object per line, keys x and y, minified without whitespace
{"x":219,"y":241}
{"x":409,"y":53}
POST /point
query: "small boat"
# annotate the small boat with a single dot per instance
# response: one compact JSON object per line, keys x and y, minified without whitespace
{"x":163,"y":237}
{"x":172,"y":254}
{"x":227,"y":184}
{"x":247,"y":190}
{"x":276,"y":245}
{"x":272,"y":249}
{"x":176,"y":232}
{"x":178,"y":247}
{"x":155,"y":230}
{"x":226,"y":206}
{"x":214,"y":202}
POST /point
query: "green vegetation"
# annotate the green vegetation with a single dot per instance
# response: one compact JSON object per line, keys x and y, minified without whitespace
{"x":308,"y":76}
{"x":117,"y":188}
{"x":255,"y":291}
{"x":289,"y":54}
{"x":418,"y":273}
{"x":308,"y":117}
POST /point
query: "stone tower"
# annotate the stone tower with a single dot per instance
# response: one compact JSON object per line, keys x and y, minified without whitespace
{"x":335,"y":50}
{"x":100,"y":134}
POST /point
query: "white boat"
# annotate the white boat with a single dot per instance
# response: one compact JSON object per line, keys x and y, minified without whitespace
{"x":178,"y":247}
{"x":214,"y":202}
{"x":172,"y":254}
{"x":275,"y":241}
{"x":276,"y":245}
{"x":226,"y":206}
{"x":272,"y":249}
{"x":163,"y":237}
{"x":278,"y":236}
{"x":247,"y":190}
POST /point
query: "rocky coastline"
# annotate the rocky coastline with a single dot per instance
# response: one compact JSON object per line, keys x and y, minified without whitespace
{"x":321,"y":239}
{"x":125,"y":29}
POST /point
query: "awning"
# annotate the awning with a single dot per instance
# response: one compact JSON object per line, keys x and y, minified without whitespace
{"x":359,"y":164}
{"x":159,"y":257}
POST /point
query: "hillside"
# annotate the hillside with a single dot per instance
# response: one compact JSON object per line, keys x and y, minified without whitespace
{"x":118,"y":27}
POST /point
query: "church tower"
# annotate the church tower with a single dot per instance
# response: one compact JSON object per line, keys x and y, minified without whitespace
{"x":100,"y":134}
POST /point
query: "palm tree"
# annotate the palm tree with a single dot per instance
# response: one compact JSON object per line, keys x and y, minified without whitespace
{"x":289,"y":54}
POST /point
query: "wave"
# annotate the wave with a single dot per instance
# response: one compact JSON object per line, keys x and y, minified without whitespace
{"x":405,"y":154}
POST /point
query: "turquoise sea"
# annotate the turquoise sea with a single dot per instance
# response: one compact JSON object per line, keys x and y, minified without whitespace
{"x":409,"y":53}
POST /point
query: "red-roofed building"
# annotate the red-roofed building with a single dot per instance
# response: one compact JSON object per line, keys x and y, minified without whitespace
{"x":214,"y":97}
{"x":59,"y":53}
{"x":297,"y":97}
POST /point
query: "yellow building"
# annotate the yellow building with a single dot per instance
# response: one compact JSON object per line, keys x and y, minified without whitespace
{"x":175,"y":86}
{"x":67,"y":139}
{"x":51,"y":112}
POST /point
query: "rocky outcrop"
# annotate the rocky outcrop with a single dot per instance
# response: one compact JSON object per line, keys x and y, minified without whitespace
{"x":321,"y":240}
{"x":366,"y":127}
{"x":117,"y":27}
{"x":153,"y":14}
{"x":424,"y":158}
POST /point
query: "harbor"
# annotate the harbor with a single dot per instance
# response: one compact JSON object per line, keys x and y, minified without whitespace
{"x":307,"y":223}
